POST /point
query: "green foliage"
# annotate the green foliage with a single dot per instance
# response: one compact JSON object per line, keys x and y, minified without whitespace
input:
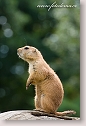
{"x":55,"y":33}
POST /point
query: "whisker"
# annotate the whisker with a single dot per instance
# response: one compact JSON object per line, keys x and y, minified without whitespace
{"x":25,"y":41}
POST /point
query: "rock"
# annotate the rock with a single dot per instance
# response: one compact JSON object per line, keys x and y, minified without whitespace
{"x":26,"y":115}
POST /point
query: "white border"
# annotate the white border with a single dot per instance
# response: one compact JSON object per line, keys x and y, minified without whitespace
{"x":83,"y":61}
{"x":82,"y":87}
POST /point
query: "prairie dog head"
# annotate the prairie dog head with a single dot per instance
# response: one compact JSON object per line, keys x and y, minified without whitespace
{"x":29,"y":53}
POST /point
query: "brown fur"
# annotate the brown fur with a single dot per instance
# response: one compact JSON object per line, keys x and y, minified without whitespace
{"x":48,"y":87}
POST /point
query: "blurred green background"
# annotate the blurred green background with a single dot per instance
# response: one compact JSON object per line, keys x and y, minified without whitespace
{"x":55,"y":33}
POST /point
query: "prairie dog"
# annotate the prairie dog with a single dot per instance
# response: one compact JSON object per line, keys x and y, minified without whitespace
{"x":48,"y":87}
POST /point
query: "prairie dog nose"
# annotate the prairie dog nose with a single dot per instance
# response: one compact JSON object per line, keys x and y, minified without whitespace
{"x":19,"y":50}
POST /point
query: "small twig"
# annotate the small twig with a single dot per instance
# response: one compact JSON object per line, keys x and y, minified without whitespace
{"x":39,"y":113}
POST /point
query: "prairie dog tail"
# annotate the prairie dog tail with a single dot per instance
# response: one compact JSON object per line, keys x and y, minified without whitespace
{"x":65,"y":113}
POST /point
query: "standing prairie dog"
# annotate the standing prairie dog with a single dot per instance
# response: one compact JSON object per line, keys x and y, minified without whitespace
{"x":48,"y":87}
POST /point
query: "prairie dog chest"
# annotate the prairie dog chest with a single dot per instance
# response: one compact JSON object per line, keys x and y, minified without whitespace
{"x":32,"y":68}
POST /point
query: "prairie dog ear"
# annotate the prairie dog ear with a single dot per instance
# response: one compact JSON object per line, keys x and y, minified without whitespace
{"x":34,"y":51}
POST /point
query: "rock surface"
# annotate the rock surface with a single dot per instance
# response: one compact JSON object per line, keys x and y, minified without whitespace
{"x":26,"y":115}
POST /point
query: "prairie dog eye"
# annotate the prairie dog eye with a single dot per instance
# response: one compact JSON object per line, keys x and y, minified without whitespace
{"x":26,"y":48}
